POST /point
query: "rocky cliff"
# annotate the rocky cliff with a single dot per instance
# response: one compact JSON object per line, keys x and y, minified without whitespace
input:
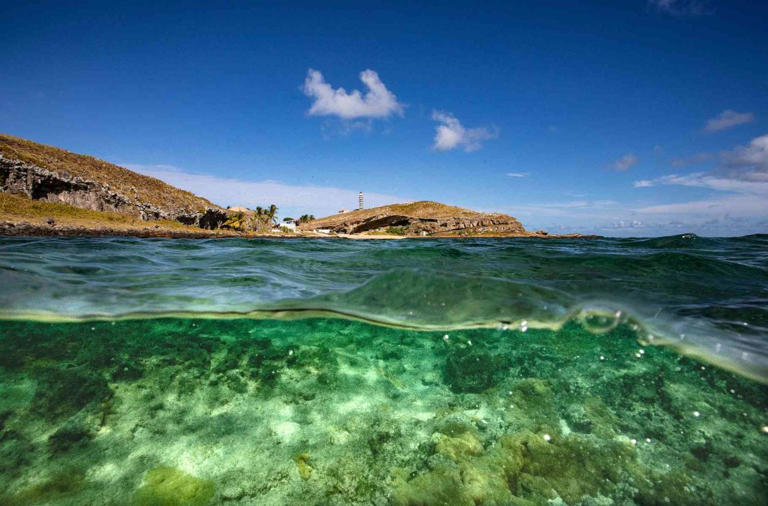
{"x":419,"y":218}
{"x":53,"y":175}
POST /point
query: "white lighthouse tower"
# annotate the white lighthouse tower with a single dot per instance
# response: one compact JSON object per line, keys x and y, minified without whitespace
{"x":360,"y":201}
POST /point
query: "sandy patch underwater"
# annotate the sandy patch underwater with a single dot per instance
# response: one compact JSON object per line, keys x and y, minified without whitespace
{"x":327,"y":411}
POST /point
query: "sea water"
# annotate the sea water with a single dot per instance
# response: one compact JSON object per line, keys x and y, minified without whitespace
{"x":494,"y":371}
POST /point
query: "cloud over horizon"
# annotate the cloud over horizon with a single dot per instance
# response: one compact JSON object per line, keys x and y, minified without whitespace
{"x":290,"y":199}
{"x":728,"y":119}
{"x":377,"y":102}
{"x":742,"y":177}
{"x":451,"y":134}
{"x":744,"y":169}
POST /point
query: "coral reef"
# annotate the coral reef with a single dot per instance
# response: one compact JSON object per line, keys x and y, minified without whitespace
{"x":321,"y":411}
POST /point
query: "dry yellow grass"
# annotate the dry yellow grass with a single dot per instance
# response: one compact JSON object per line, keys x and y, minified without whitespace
{"x":18,"y":208}
{"x":120,"y":179}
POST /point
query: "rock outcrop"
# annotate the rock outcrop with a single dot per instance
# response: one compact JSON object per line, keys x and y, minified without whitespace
{"x":419,"y":218}
{"x":39,"y":183}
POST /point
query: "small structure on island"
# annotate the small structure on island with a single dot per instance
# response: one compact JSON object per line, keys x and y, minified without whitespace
{"x":360,"y":201}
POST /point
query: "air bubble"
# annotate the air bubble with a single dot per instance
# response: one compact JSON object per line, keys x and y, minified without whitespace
{"x":599,"y":320}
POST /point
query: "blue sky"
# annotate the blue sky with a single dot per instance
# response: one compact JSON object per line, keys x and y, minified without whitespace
{"x":627,"y":117}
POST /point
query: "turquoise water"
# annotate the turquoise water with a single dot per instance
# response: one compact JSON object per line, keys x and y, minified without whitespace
{"x":515,"y":371}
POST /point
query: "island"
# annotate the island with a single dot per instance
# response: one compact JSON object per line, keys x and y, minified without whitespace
{"x":50,"y":191}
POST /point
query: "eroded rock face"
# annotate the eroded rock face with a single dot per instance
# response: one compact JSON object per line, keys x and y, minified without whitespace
{"x":42,"y":184}
{"x":429,"y":226}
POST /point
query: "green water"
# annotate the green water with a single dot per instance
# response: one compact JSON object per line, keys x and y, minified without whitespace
{"x":419,"y":372}
{"x":325,"y":411}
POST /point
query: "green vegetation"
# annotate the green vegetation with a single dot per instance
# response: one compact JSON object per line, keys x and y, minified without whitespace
{"x":396,"y":231}
{"x":168,"y":486}
{"x":259,"y":220}
{"x":302,"y":464}
{"x":305,"y":218}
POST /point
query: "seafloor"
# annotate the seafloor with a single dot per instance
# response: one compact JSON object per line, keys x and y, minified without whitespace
{"x":324,"y":411}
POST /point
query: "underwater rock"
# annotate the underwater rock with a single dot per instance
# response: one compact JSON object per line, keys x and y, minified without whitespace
{"x":470,"y":370}
{"x":440,"y":486}
{"x":534,"y":405}
{"x":59,"y":486}
{"x":15,"y":452}
{"x":528,"y":468}
{"x":67,"y":437}
{"x":168,"y":486}
{"x":127,"y":370}
{"x":459,"y":447}
{"x":454,"y":424}
{"x":63,"y":392}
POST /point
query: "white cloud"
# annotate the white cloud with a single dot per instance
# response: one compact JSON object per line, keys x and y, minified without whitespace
{"x":517,"y":174}
{"x":377,"y":102}
{"x":290,"y":199}
{"x":748,"y":162}
{"x":624,"y":163}
{"x":728,"y":119}
{"x":743,"y":169}
{"x":731,"y":205}
{"x":450,"y":134}
{"x":742,"y":177}
{"x":707,"y":180}
{"x":681,"y":7}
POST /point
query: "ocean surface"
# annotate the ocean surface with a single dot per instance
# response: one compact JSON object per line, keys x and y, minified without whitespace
{"x":416,"y":372}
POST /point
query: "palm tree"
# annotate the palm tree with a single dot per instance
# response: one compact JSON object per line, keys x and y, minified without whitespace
{"x":271,"y":212}
{"x":306,"y":218}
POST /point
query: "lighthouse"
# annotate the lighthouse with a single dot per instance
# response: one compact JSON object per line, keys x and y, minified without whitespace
{"x":360,"y":200}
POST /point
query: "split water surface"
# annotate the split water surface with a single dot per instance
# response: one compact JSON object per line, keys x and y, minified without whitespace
{"x":516,"y":371}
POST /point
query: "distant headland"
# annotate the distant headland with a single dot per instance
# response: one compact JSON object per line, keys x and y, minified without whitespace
{"x":49,"y":191}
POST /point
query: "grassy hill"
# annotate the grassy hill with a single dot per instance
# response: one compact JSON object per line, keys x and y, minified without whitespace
{"x":124,"y":181}
{"x":419,"y":218}
{"x":421,"y":209}
{"x":20,"y":215}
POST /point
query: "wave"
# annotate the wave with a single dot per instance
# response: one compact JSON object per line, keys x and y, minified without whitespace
{"x":707,"y":300}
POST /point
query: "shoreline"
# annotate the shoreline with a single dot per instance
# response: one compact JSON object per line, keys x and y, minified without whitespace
{"x":21,"y":229}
